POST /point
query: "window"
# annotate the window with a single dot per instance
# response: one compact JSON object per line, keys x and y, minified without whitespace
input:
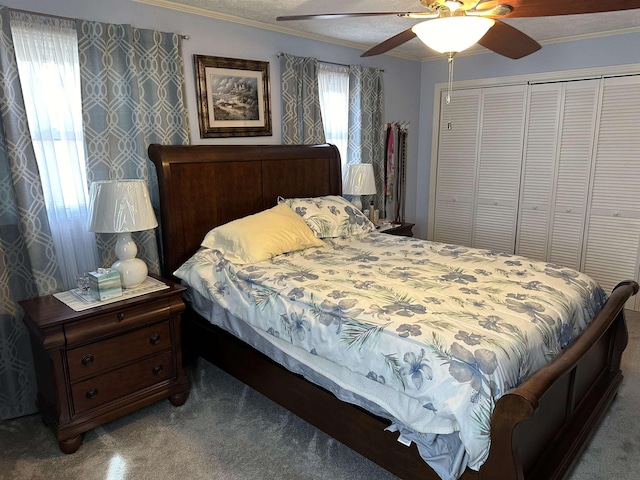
{"x":47,"y":56}
{"x":333,"y":85}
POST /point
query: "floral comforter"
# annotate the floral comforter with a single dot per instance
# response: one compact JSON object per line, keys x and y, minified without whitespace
{"x":446,"y":329}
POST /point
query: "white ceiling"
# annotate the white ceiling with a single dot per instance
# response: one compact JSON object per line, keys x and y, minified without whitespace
{"x":366,"y":32}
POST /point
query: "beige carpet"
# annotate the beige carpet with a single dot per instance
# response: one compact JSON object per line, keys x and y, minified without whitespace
{"x":228,"y":431}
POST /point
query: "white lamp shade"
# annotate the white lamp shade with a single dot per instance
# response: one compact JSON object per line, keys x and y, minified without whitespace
{"x":359,"y":180}
{"x":117,"y":206}
{"x":452,"y":34}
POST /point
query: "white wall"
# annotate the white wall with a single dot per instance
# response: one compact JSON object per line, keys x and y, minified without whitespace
{"x":209,"y":36}
{"x":595,"y":52}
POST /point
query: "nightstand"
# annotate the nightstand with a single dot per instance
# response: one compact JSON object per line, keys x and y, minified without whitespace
{"x":95,"y":365}
{"x":403,"y":229}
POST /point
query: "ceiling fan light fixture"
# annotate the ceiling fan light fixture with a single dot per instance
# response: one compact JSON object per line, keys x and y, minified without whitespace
{"x":451,"y":35}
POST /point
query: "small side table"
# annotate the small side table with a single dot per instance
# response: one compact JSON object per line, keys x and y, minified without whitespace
{"x":96,"y":365}
{"x":404,"y":229}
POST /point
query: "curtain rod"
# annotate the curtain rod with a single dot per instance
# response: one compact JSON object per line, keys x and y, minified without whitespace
{"x":330,"y":63}
{"x":30,"y":12}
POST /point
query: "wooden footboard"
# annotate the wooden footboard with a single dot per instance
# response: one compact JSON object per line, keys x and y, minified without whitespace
{"x":545,"y":423}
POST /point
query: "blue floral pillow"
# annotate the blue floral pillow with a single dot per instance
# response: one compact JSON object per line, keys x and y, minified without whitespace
{"x":330,"y":216}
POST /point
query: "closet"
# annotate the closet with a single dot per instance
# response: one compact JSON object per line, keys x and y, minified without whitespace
{"x":550,"y":171}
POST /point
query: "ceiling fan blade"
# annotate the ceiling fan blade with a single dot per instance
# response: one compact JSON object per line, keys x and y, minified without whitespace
{"x":326,"y":16}
{"x":508,"y":41}
{"x":390,"y":43}
{"x":547,"y":8}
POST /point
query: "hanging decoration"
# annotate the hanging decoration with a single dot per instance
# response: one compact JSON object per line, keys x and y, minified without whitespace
{"x":395,"y":170}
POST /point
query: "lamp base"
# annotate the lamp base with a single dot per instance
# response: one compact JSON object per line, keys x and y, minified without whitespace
{"x":133,"y":271}
{"x":355,"y":200}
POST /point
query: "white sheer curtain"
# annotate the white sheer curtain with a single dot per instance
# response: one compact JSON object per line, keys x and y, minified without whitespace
{"x":47,"y":55}
{"x":333,"y":85}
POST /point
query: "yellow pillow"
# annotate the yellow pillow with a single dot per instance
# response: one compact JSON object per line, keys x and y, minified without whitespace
{"x":261,"y":236}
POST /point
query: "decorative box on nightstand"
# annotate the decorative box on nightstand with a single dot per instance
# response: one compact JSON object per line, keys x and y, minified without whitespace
{"x":403,"y":229}
{"x":98,"y":364}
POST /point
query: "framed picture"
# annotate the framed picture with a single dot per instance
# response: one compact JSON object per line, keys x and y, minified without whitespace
{"x":233,"y":97}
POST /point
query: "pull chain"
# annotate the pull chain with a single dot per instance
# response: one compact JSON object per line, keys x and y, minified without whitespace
{"x":450,"y":86}
{"x":449,"y":89}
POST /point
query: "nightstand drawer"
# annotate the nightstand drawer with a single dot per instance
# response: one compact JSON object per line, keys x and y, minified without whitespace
{"x":119,"y":383}
{"x":118,"y":319}
{"x":96,"y":357}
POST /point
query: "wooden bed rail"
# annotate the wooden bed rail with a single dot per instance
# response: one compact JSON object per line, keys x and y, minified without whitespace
{"x":576,"y":394}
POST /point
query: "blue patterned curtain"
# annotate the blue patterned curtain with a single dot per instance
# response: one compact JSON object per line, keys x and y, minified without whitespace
{"x":366,"y":130}
{"x":137,"y":100}
{"x":301,"y":116}
{"x":133,"y":95}
{"x":28,"y":264}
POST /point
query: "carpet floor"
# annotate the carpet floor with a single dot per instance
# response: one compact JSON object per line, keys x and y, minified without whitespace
{"x":227,"y":431}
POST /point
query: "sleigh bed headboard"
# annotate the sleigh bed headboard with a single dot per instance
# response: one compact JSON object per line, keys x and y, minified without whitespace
{"x":237,"y":180}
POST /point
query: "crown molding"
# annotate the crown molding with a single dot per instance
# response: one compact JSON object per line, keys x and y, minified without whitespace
{"x":262,"y":25}
{"x":429,"y":57}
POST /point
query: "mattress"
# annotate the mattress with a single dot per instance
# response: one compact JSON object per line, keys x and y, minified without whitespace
{"x":428,"y":335}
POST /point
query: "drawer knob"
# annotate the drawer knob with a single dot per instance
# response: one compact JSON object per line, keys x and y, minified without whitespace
{"x":121,"y":316}
{"x":92,"y":393}
{"x":154,"y":339}
{"x":87,"y":360}
{"x":157,"y":370}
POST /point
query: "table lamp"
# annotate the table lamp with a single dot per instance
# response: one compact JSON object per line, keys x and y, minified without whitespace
{"x":122,"y":207}
{"x":359,"y":181}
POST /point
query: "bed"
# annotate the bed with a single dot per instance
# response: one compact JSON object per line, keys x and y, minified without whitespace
{"x":537,"y":429}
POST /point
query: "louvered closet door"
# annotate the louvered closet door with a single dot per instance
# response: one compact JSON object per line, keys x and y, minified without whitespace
{"x":499,"y":165}
{"x":538,"y":170}
{"x":557,"y":165}
{"x":578,"y":124}
{"x":613,"y":229}
{"x":456,"y":171}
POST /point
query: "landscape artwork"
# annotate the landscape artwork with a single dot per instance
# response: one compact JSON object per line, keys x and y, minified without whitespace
{"x":233,"y":97}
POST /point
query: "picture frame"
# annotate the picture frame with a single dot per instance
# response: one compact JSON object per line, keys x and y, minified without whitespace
{"x":233,"y":97}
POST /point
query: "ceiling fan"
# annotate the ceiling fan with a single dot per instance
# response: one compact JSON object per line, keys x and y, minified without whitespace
{"x":500,"y":37}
